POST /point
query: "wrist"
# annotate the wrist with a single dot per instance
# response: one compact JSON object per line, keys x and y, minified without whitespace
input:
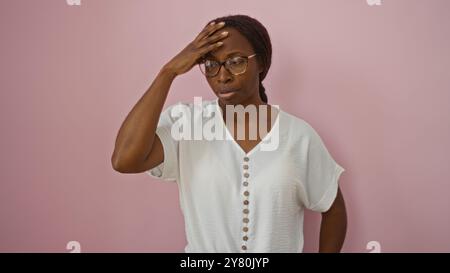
{"x":168,"y":72}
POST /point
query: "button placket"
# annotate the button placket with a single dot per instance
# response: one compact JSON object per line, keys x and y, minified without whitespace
{"x":245,"y":210}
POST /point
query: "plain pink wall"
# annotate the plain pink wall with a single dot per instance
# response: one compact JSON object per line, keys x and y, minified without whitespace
{"x":374,"y":81}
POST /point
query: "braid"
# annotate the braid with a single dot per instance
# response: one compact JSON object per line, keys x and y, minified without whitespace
{"x":258,"y":37}
{"x":262,"y":92}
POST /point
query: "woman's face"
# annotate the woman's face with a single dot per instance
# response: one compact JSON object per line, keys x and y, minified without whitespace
{"x":244,"y":87}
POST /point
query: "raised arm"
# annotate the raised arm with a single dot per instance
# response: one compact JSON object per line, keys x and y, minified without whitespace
{"x":137,"y":146}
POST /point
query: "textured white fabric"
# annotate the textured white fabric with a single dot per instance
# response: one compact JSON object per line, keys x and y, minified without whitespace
{"x":300,"y":174}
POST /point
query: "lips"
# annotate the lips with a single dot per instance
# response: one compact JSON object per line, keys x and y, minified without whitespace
{"x":227,"y":93}
{"x":228,"y":90}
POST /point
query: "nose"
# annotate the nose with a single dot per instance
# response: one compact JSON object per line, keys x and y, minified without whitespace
{"x":223,"y":76}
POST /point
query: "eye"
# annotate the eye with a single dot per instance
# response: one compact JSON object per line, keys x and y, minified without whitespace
{"x":236,"y":60}
{"x":211,"y":63}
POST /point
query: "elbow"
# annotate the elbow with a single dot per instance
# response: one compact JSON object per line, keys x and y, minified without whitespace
{"x":119,"y":164}
{"x":116,"y":164}
{"x":126,"y":163}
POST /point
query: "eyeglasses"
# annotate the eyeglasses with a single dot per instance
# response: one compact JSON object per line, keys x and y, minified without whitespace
{"x":235,"y":65}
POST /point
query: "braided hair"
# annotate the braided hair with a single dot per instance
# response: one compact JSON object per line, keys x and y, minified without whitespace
{"x":258,"y":37}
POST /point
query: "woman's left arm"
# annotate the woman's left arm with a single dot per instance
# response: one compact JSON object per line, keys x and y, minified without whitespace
{"x":333,"y":226}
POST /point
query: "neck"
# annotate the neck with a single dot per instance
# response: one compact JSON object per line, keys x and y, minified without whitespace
{"x":255,"y":100}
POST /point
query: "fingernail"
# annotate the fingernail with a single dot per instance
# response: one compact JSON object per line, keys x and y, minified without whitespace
{"x":222,"y":23}
{"x":212,"y":23}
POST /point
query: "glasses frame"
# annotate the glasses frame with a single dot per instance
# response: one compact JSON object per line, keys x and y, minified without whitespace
{"x":223,"y":64}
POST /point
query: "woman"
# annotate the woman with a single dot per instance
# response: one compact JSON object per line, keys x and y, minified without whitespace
{"x":236,"y":195}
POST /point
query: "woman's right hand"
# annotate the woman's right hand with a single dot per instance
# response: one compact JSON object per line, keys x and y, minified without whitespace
{"x":194,"y":51}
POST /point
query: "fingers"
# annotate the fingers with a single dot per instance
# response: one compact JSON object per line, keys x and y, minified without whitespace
{"x":212,"y":39}
{"x":209,"y":48}
{"x":208,"y":40}
{"x":208,"y":30}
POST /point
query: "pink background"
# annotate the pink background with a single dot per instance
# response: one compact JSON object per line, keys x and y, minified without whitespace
{"x":374,"y":82}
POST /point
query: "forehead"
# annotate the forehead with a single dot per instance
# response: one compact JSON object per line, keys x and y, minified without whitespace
{"x":235,"y":42}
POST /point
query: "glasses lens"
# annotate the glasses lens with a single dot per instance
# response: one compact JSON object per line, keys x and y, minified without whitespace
{"x":209,"y":67}
{"x":236,"y":65}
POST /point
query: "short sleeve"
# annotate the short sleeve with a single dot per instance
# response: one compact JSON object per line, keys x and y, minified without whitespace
{"x":320,"y":173}
{"x":168,"y":169}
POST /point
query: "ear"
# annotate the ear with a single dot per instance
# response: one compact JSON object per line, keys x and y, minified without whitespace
{"x":260,"y":66}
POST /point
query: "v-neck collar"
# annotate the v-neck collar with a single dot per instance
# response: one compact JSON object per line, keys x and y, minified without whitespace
{"x":235,"y":143}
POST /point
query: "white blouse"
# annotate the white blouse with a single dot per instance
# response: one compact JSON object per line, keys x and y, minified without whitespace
{"x":234,"y":201}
